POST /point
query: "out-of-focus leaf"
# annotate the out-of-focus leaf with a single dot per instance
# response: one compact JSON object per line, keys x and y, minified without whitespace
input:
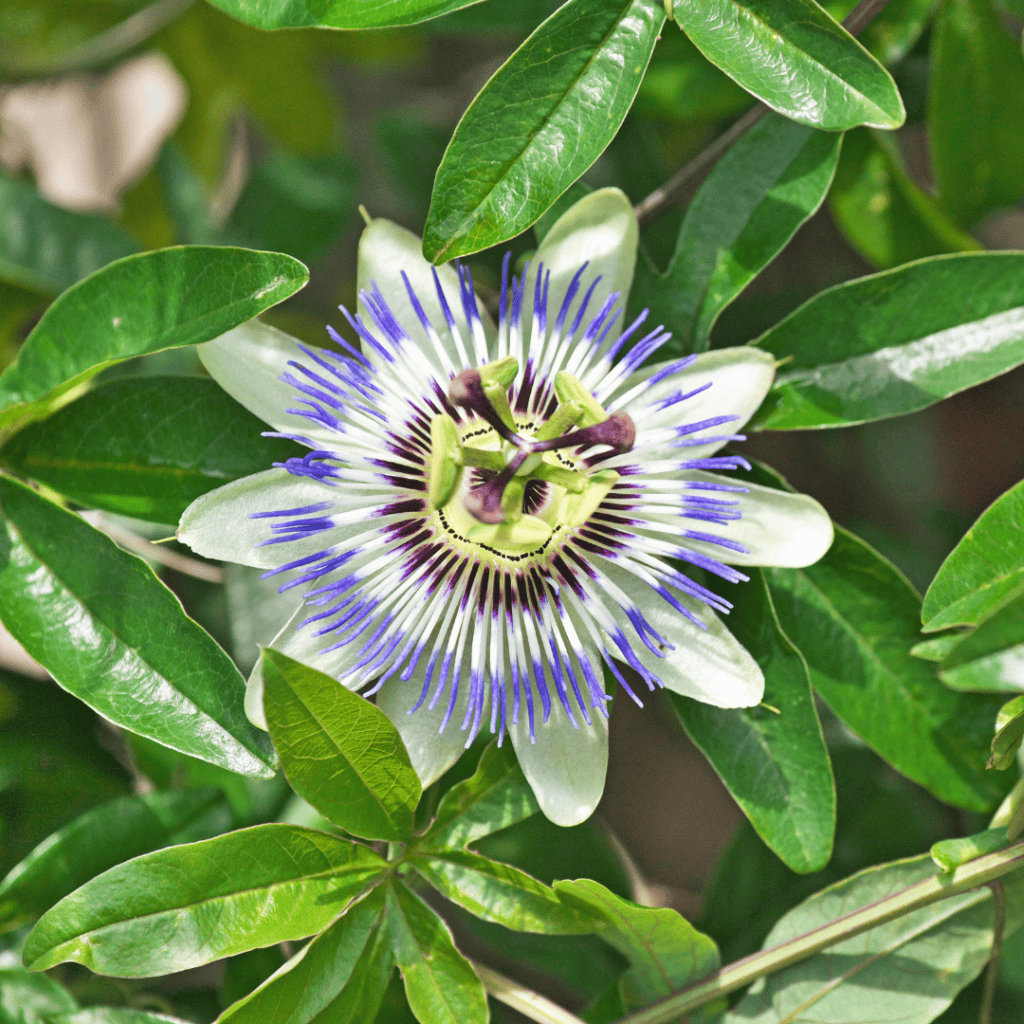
{"x":145,"y":447}
{"x":187,"y":905}
{"x":247,"y":971}
{"x":882,"y":213}
{"x":896,"y":342}
{"x":905,"y":971}
{"x":339,"y":977}
{"x":113,"y":1015}
{"x":293,"y":204}
{"x":792,"y":56}
{"x":185,"y":196}
{"x":982,"y":570}
{"x":413,"y":149}
{"x":774,"y":762}
{"x":499,"y":892}
{"x":339,"y":751}
{"x":664,"y":950}
{"x":990,"y":657}
{"x":767,"y":184}
{"x":894,"y":30}
{"x":496,"y":796}
{"x":543,"y":118}
{"x":112,"y":634}
{"x":102,"y":838}
{"x":338,"y":13}
{"x":48,"y":249}
{"x":139,"y":305}
{"x":975,"y":111}
{"x":25,"y":998}
{"x":440,"y":983}
{"x":1009,"y":733}
{"x":853,"y":616}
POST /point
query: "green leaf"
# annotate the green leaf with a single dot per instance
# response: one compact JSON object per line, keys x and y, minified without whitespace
{"x":950,"y":854}
{"x":767,"y":184}
{"x":293,"y":204}
{"x":882,"y":213}
{"x":339,"y":751}
{"x":499,"y":892}
{"x":187,"y":905}
{"x":100,"y":839}
{"x":990,"y":657}
{"x":339,"y":977}
{"x":48,"y":249}
{"x":145,"y":447}
{"x":774,"y":762}
{"x":853,"y":616}
{"x":893,"y":31}
{"x":896,"y":342}
{"x":792,"y":56}
{"x":338,"y":13}
{"x":138,"y":305}
{"x":1009,"y":733}
{"x":905,"y":971}
{"x":113,"y":1015}
{"x":664,"y":950}
{"x":113,"y":635}
{"x":543,"y":118}
{"x":496,"y":796}
{"x":975,"y":111}
{"x":440,"y":983}
{"x":982,"y":570}
{"x":25,"y":998}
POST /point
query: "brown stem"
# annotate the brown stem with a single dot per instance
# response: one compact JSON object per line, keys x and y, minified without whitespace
{"x":652,"y":206}
{"x":998,"y":926}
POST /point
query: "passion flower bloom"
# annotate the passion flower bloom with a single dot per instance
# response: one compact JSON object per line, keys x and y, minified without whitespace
{"x":489,"y":519}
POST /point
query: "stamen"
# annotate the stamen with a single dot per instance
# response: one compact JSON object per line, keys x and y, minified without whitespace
{"x":485,"y":501}
{"x":618,"y":432}
{"x":484,"y":391}
{"x":445,"y":460}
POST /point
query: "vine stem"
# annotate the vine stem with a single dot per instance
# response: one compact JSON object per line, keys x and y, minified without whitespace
{"x":652,"y":206}
{"x":998,"y":927}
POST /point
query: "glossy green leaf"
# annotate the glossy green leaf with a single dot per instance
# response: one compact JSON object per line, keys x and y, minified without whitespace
{"x":853,"y":616}
{"x":100,"y":839}
{"x":339,"y":751}
{"x":440,"y":983}
{"x":982,"y":570}
{"x":543,"y":118}
{"x":884,"y":215}
{"x":113,"y":1015}
{"x":896,"y":342}
{"x":904,"y":972}
{"x":339,"y":977}
{"x":664,"y":950}
{"x":496,"y":796}
{"x":25,"y":998}
{"x":48,"y":249}
{"x":138,"y":305}
{"x":990,"y":657}
{"x":774,"y":762}
{"x":187,"y":905}
{"x":113,"y":635}
{"x":145,"y":447}
{"x":767,"y":184}
{"x":338,"y":13}
{"x":792,"y":56}
{"x":500,"y":893}
{"x":975,"y":110}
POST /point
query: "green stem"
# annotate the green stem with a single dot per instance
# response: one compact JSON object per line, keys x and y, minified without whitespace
{"x":530,"y":1004}
{"x":998,"y":927}
{"x":970,"y":876}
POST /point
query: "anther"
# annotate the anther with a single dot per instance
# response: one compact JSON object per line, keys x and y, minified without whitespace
{"x":483,"y":391}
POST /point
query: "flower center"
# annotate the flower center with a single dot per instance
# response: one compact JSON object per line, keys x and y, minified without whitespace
{"x":513,"y":463}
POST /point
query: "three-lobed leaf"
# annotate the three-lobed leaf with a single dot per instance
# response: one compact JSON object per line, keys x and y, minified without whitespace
{"x":339,"y":751}
{"x":145,"y":447}
{"x":772,"y":758}
{"x":187,"y":905}
{"x":895,"y":342}
{"x":111,"y":633}
{"x":793,"y":57}
{"x":543,"y":118}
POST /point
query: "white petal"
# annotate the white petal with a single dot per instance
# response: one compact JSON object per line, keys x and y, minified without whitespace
{"x":600,"y":230}
{"x":566,"y":766}
{"x":217,"y":525}
{"x":739,"y":378}
{"x":710,"y":665}
{"x":247,"y":363}
{"x":432,"y":753}
{"x":778,"y":527}
{"x":385,"y":250}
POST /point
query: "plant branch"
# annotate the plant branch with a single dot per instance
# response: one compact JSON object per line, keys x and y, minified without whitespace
{"x":675,"y":188}
{"x":998,"y":927}
{"x":738,"y":975}
{"x":529,"y":1003}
